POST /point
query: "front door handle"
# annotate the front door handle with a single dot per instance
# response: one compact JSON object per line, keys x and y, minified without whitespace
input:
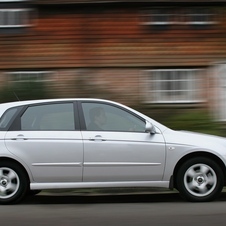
{"x":97,"y":138}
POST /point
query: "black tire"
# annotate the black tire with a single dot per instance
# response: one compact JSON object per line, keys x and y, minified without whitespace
{"x":33,"y":192}
{"x":200,"y":179}
{"x":13,"y":182}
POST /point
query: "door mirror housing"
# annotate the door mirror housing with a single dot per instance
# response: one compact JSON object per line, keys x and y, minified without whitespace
{"x":149,"y":128}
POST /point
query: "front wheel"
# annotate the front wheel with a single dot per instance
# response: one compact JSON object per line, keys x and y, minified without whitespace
{"x":13,"y":182}
{"x":200,"y":180}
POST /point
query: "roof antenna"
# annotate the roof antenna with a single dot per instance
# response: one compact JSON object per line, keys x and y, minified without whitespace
{"x":16,"y":96}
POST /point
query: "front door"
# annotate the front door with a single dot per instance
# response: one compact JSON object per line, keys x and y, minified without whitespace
{"x":117,"y":148}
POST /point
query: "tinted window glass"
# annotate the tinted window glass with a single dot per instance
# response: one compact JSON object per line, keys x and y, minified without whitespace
{"x":59,"y":117}
{"x":7,"y":116}
{"x":109,"y":118}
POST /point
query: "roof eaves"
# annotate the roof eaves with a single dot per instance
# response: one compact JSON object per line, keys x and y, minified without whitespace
{"x":53,"y":2}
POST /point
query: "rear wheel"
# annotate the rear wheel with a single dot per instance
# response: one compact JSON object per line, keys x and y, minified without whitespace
{"x":200,"y":179}
{"x":13,"y":182}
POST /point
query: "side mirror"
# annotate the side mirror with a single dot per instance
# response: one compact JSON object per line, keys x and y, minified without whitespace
{"x":149,"y":128}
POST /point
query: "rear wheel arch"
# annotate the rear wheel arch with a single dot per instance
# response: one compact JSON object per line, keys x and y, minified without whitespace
{"x":11,"y":160}
{"x":195,"y":155}
{"x":14,"y":181}
{"x":7,"y":159}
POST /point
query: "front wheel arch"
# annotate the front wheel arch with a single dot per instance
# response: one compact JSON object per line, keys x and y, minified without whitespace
{"x":195,"y":155}
{"x":200,"y":179}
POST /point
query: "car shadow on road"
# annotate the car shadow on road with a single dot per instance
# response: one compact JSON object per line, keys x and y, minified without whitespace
{"x":48,"y":198}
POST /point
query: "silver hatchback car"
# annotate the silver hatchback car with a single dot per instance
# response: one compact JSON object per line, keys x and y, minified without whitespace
{"x":90,"y":143}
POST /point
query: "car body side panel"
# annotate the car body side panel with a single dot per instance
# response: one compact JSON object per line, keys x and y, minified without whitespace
{"x":123,"y":156}
{"x":52,"y":156}
{"x":118,"y":184}
{"x":181,"y":143}
{"x":4,"y":153}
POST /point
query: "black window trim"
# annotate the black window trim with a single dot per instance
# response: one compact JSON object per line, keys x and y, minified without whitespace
{"x":15,"y":125}
{"x":82,"y":117}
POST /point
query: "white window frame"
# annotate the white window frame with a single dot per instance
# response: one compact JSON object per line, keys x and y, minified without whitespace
{"x":14,"y":0}
{"x":151,"y":14}
{"x":183,"y":81}
{"x":11,"y":20}
{"x":35,"y":76}
{"x":187,"y":16}
{"x":204,"y":13}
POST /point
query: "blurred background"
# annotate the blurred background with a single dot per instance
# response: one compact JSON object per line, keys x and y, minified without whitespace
{"x":166,"y":59}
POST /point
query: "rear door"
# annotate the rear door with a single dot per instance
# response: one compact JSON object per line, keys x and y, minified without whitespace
{"x":47,"y":138}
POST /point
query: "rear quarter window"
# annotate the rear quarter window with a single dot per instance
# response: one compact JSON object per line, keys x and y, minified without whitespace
{"x":7,"y":117}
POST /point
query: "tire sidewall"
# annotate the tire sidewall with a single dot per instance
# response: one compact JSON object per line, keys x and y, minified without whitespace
{"x":200,"y":160}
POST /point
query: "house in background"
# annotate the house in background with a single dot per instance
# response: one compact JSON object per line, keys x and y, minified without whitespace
{"x":158,"y":53}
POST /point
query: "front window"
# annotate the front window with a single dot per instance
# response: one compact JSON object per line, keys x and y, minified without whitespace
{"x":104,"y":117}
{"x":55,"y":117}
{"x":173,"y":86}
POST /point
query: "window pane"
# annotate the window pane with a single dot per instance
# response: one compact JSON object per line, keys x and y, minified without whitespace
{"x":109,"y":118}
{"x":30,"y":76}
{"x":201,"y":16}
{"x":170,"y":86}
{"x":15,"y":17}
{"x":160,"y":16}
{"x":7,"y":116}
{"x":58,"y":117}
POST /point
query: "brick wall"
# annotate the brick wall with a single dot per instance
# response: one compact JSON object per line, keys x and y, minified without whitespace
{"x":78,"y":37}
{"x":116,"y":84}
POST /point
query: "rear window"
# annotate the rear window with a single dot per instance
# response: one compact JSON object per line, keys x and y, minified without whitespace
{"x":49,"y":117}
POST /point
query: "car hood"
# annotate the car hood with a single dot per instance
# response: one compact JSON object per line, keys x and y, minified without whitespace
{"x":197,"y":140}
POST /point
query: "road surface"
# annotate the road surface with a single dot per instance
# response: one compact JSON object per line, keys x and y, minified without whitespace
{"x":113,"y":210}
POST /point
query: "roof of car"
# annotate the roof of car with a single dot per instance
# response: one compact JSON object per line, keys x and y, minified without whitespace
{"x":25,"y":102}
{"x":5,"y":106}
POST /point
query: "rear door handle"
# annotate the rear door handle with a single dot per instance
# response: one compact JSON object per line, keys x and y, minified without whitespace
{"x":19,"y":137}
{"x":97,"y":138}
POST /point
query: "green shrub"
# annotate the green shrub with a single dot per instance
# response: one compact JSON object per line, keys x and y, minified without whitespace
{"x":196,"y":120}
{"x":23,"y":91}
